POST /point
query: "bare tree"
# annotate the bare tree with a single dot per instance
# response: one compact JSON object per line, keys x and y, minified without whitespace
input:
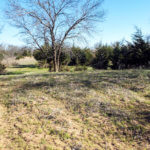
{"x":54,"y":22}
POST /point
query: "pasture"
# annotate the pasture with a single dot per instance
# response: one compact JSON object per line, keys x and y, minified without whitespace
{"x":90,"y":110}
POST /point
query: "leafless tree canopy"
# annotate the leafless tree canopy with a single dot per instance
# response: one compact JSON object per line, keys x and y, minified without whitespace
{"x":53,"y":22}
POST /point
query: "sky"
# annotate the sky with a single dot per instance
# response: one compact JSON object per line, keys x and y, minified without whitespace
{"x":121,"y":17}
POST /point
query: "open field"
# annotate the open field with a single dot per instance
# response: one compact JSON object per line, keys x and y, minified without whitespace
{"x":100,"y":110}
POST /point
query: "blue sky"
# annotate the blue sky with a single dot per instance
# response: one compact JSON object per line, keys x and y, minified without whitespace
{"x":121,"y":18}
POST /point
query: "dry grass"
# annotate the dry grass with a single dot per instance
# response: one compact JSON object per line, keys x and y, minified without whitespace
{"x":78,"y":111}
{"x":9,"y":62}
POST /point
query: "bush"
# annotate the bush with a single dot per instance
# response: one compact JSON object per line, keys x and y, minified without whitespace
{"x":19,"y":57}
{"x":66,"y":69}
{"x":23,"y":53}
{"x":80,"y":68}
{"x":2,"y":68}
{"x":43,"y":64}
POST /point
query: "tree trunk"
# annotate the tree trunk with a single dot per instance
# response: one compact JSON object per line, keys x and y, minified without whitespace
{"x":57,"y":68}
{"x":56,"y":65}
{"x":56,"y":62}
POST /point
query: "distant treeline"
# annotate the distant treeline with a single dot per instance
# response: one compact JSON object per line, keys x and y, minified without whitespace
{"x":14,"y":51}
{"x":120,"y":55}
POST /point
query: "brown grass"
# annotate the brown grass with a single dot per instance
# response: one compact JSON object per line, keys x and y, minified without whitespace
{"x":9,"y":62}
{"x":79,"y":111}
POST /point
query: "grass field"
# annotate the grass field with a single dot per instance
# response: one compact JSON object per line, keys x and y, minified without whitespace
{"x":100,"y":110}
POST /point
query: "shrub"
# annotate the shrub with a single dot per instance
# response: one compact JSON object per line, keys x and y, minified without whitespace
{"x":65,"y":69}
{"x":2,"y":68}
{"x":23,"y":53}
{"x":43,"y":64}
{"x":19,"y":57}
{"x":80,"y":68}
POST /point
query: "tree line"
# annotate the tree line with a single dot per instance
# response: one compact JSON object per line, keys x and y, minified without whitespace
{"x":120,"y":55}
